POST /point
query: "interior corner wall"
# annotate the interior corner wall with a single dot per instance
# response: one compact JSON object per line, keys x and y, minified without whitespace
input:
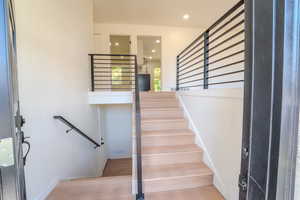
{"x":54,"y":39}
{"x":174,"y":40}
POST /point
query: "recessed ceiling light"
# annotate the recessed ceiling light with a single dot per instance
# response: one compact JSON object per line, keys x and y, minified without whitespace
{"x":157,"y":41}
{"x":117,"y":44}
{"x":153,"y":50}
{"x":186,"y":16}
{"x":150,"y":57}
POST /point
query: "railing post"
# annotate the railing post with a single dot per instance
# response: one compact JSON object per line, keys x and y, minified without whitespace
{"x":92,"y":73}
{"x":177,"y":73}
{"x":206,"y":60}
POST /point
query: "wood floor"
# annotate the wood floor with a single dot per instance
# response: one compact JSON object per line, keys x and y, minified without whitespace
{"x":118,"y":167}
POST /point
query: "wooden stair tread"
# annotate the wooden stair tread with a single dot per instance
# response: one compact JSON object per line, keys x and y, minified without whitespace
{"x":155,"y":120}
{"x":170,"y":149}
{"x":201,"y":193}
{"x":101,"y":188}
{"x":175,"y":171}
{"x":171,"y":132}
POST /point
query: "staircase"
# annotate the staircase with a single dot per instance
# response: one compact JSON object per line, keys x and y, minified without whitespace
{"x":172,"y":162}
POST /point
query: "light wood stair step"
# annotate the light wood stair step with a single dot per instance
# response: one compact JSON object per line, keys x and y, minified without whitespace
{"x":201,"y":193}
{"x":160,"y":113}
{"x":176,"y":176}
{"x":165,"y":155}
{"x":160,"y":104}
{"x":171,"y":132}
{"x":165,"y":140}
{"x":164,"y":124}
{"x":146,"y":95}
{"x":102,"y":188}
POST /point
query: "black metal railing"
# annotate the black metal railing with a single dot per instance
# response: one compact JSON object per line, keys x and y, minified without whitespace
{"x":112,"y":72}
{"x":216,"y":57}
{"x":118,"y":72}
{"x":77,"y":130}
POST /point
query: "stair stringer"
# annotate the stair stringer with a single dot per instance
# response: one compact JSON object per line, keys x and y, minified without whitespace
{"x":217,"y":181}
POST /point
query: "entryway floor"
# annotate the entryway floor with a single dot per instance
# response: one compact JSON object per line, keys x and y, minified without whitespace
{"x":118,"y":167}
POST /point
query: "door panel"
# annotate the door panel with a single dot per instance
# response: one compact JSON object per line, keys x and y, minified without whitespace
{"x":12,"y":177}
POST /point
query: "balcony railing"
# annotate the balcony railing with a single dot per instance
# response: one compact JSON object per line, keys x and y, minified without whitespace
{"x":216,"y":57}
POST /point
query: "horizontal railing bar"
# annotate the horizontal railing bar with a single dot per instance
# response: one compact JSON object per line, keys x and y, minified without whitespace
{"x":109,"y":72}
{"x":225,"y":82}
{"x":195,"y":47}
{"x":225,"y":74}
{"x":228,"y":22}
{"x":114,"y":80}
{"x":223,"y":58}
{"x":188,"y":62}
{"x":192,"y":86}
{"x":113,"y":59}
{"x":114,"y":84}
{"x":227,"y":31}
{"x":201,"y":79}
{"x":113,"y":63}
{"x":227,"y":48}
{"x":190,"y":45}
{"x":113,"y":67}
{"x":224,"y":66}
{"x":191,"y":55}
{"x":191,"y":71}
{"x":190,"y":66}
{"x":229,"y":12}
{"x":191,"y":76}
{"x":114,"y":55}
{"x":114,"y":76}
{"x":226,"y":40}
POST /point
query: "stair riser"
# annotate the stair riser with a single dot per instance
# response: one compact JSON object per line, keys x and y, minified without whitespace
{"x":154,"y":126}
{"x":170,"y":140}
{"x":165,"y":159}
{"x":172,"y":104}
{"x":157,"y":95}
{"x":161,"y":114}
{"x":160,"y":185}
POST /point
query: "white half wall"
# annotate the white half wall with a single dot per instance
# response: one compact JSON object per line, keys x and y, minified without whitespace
{"x":54,"y":39}
{"x":216,"y":116}
{"x":173,"y":41}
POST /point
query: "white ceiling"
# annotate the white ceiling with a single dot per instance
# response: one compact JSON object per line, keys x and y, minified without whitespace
{"x":161,"y":12}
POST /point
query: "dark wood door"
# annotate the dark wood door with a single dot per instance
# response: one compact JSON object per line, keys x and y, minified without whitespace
{"x":11,"y":137}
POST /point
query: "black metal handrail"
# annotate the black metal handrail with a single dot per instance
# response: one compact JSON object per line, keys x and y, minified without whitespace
{"x":112,"y":72}
{"x":72,"y":127}
{"x":216,"y":57}
{"x":104,"y":80}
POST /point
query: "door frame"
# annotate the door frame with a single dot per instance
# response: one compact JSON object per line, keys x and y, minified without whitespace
{"x":271,"y":99}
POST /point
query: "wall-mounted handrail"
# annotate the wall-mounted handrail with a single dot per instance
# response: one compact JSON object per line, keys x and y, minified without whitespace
{"x":72,"y":127}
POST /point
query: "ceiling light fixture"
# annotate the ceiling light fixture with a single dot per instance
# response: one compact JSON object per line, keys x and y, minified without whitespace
{"x":150,"y":57}
{"x":117,"y":44}
{"x":157,"y":41}
{"x":153,"y":50}
{"x":186,"y":16}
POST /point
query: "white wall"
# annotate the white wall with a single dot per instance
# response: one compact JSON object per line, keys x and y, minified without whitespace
{"x":174,"y":40}
{"x":116,"y":120}
{"x":216,"y":116}
{"x":54,"y":39}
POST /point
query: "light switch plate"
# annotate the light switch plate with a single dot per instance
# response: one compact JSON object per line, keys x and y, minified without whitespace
{"x":6,"y":152}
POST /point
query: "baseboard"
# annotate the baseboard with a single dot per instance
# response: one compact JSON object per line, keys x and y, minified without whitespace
{"x":218,"y":183}
{"x":50,"y":188}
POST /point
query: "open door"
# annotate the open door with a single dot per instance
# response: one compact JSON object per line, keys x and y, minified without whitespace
{"x":12,"y":179}
{"x":271,"y":100}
